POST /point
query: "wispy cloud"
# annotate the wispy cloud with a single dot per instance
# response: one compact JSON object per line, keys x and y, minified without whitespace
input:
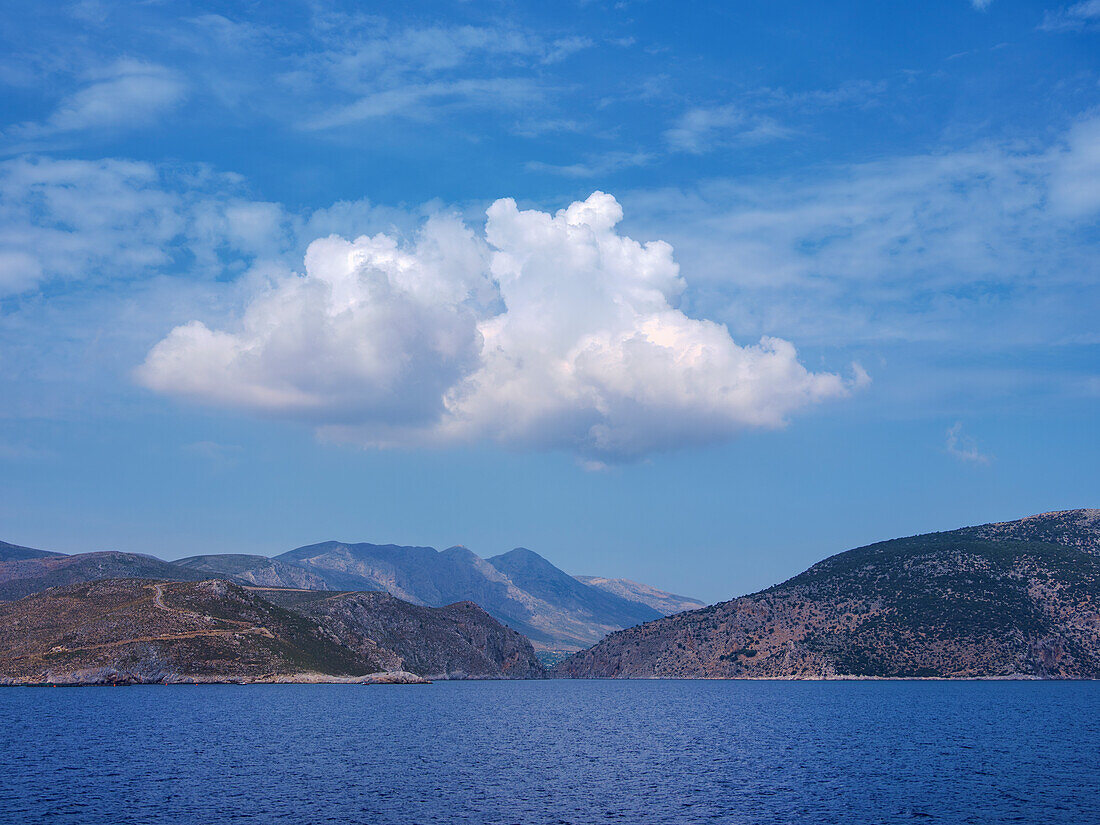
{"x":127,"y":94}
{"x":1083,"y":16}
{"x":907,"y":248}
{"x":114,"y":220}
{"x":425,"y":101}
{"x":704,"y":129}
{"x":595,"y":166}
{"x":420,"y":72}
{"x":963,"y":447}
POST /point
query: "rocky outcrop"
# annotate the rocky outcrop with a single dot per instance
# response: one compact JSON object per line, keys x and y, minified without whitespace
{"x":940,"y":605}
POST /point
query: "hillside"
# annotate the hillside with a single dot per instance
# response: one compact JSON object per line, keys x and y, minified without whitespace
{"x":536,"y":576}
{"x":520,"y":588}
{"x":254,"y":570}
{"x":663,"y":602}
{"x":458,"y":641}
{"x":943,"y":604}
{"x":15,"y":552}
{"x":532,"y":596}
{"x":1079,"y":529}
{"x":142,"y":631}
{"x":22,"y":577}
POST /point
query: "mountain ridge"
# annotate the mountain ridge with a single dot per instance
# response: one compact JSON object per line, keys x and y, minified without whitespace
{"x":565,"y":613}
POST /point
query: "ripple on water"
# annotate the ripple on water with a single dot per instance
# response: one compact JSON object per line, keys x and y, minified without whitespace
{"x":573,"y":753}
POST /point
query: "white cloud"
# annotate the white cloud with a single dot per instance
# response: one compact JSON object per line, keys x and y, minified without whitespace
{"x":963,"y":447}
{"x":702,"y":129}
{"x":981,"y":5}
{"x":555,"y":332}
{"x":126,"y":94}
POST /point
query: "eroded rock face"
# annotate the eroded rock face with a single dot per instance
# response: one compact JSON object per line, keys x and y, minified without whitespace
{"x":943,"y":605}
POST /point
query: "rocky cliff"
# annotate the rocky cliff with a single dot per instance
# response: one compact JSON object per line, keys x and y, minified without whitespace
{"x":946,"y":605}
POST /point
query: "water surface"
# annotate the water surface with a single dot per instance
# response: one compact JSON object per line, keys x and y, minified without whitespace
{"x":646,"y":752}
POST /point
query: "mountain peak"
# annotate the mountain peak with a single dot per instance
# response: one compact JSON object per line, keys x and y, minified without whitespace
{"x":521,"y":555}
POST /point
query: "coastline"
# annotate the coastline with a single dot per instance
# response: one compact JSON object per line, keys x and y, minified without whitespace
{"x":106,"y":677}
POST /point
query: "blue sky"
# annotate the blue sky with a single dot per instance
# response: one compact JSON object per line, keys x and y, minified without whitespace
{"x":271,"y":276}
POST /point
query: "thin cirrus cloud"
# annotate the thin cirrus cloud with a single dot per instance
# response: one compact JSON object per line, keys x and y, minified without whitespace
{"x":419,"y":72}
{"x":126,"y":94}
{"x":1083,"y":16}
{"x":906,"y":248}
{"x":423,"y":100}
{"x":552,"y":332}
{"x":703,"y":129}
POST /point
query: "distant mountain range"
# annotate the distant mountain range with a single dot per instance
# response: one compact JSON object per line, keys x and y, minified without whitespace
{"x":520,"y":588}
{"x":1018,"y":598}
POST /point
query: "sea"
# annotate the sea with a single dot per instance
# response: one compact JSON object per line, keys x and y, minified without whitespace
{"x":554,"y":753}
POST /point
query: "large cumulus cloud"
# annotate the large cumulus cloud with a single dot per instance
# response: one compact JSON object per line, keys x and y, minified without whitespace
{"x":552,"y":332}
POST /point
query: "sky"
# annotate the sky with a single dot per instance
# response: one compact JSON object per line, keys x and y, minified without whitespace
{"x":691,"y":294}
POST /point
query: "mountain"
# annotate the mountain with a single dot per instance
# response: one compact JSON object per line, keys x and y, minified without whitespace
{"x":255,"y":570}
{"x":664,"y":603}
{"x":458,"y":641}
{"x":22,"y":577}
{"x":519,"y":588}
{"x":981,"y":601}
{"x":555,"y":610}
{"x":139,"y":631}
{"x":14,"y":552}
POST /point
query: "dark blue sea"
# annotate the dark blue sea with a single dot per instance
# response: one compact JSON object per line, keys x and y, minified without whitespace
{"x":643,"y":752}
